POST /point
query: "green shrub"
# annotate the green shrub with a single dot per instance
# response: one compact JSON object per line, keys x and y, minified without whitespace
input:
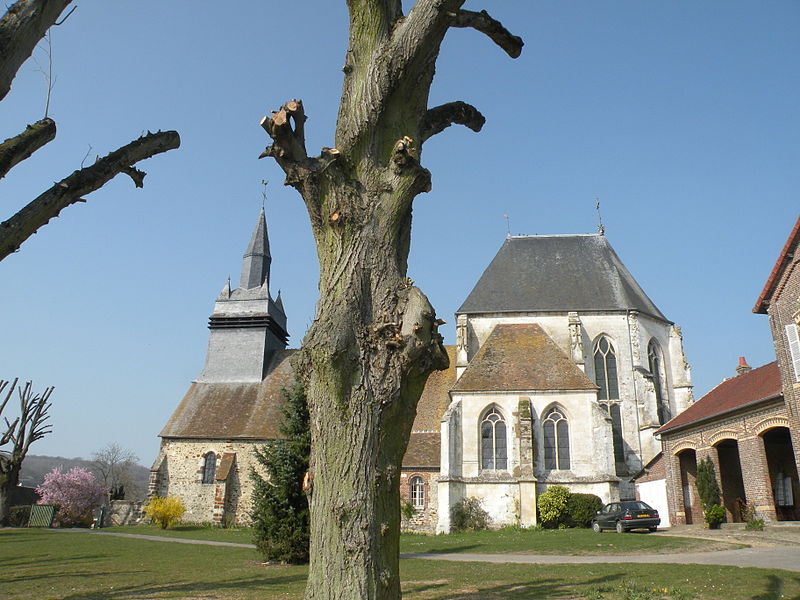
{"x":553,"y":505}
{"x":581,"y":508}
{"x":407,"y":510}
{"x":468,"y":515}
{"x":18,"y":516}
{"x":714,"y":515}
{"x":164,"y":511}
{"x":753,"y":522}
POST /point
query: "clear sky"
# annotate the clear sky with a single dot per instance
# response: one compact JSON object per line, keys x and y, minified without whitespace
{"x":682,"y":117}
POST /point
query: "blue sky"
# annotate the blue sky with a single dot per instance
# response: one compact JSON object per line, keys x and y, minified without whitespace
{"x":682,"y":117}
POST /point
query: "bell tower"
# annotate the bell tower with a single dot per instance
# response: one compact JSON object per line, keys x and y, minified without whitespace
{"x":247,"y":325}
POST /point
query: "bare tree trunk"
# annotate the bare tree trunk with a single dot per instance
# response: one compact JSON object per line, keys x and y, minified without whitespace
{"x":374,"y":341}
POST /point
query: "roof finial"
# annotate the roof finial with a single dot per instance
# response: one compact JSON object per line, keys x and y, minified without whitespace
{"x":600,"y":229}
{"x":508,"y":226}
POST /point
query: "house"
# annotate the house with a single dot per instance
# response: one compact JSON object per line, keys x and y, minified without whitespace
{"x":562,"y":371}
{"x":749,"y":425}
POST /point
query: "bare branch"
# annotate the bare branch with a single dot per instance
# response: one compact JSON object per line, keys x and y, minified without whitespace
{"x":21,"y":28}
{"x":16,"y":149}
{"x":481,"y":21}
{"x":441,"y":117}
{"x":68,"y":191}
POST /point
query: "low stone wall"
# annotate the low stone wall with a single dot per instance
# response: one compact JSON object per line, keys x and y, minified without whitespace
{"x":124,"y":512}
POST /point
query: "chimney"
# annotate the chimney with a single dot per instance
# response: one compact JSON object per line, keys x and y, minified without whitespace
{"x":743,"y":366}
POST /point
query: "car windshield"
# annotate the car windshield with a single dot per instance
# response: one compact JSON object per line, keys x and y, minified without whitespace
{"x":635,"y":506}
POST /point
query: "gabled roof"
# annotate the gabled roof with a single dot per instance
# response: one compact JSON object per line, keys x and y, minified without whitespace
{"x":234,"y":410}
{"x":784,"y":258}
{"x":557,"y":273}
{"x":521,"y":357}
{"x":743,"y":391}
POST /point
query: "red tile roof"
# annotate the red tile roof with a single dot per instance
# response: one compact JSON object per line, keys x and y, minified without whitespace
{"x":753,"y":387}
{"x":783,"y":259}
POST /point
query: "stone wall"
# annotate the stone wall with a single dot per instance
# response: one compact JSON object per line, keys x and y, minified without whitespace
{"x":124,"y":512}
{"x":178,"y":471}
{"x":424,"y":519}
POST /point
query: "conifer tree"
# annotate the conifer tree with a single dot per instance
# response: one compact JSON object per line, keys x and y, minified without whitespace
{"x":280,"y":508}
{"x":706,"y":482}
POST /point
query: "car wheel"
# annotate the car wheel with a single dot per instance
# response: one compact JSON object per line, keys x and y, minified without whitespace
{"x":596,"y":527}
{"x":653,"y":529}
{"x":620,"y":528}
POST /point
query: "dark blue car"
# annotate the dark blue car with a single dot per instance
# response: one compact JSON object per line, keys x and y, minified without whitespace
{"x":626,"y":515}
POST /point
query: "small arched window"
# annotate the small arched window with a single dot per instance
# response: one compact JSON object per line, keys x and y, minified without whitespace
{"x":417,"y":485}
{"x":493,"y":441}
{"x":654,"y":360}
{"x":209,"y":467}
{"x":556,"y":440}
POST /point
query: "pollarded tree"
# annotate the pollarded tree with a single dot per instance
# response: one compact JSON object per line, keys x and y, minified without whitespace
{"x":23,"y":25}
{"x":18,"y":433}
{"x":374,"y":340}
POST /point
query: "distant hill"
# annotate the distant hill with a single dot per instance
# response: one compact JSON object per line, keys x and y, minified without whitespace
{"x":34,"y":468}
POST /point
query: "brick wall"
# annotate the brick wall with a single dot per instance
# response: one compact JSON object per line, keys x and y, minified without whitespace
{"x":746,"y":429}
{"x":424,"y":520}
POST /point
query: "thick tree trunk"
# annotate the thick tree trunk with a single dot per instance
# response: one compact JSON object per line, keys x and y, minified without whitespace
{"x":374,"y":341}
{"x":3,"y":504}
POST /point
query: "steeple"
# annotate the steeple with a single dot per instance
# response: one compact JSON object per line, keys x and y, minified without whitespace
{"x":257,"y":259}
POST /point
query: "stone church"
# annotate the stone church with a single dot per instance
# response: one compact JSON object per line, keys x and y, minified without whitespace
{"x":563,"y":369}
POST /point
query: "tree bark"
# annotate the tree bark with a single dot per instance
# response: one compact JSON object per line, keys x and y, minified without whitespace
{"x":374,"y":341}
{"x":21,"y":28}
{"x":70,"y":190}
{"x":16,"y":149}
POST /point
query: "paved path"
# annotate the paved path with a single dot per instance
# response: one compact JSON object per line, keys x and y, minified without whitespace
{"x":775,"y":553}
{"x":777,"y":557}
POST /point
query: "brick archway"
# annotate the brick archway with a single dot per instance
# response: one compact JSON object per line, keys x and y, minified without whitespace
{"x":730,"y":474}
{"x":783,"y":476}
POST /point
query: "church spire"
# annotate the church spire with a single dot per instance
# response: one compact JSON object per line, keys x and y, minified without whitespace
{"x":257,"y":259}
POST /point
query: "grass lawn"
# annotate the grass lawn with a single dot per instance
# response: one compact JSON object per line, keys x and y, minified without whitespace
{"x":524,"y":541}
{"x":42,"y":565}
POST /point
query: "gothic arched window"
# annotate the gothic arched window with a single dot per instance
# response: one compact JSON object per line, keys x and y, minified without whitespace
{"x":417,"y":489}
{"x":605,"y":376}
{"x":493,"y":441}
{"x":209,"y":467}
{"x":556,"y":440}
{"x":654,"y":360}
{"x":605,"y":369}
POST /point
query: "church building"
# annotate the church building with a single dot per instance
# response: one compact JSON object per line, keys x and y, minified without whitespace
{"x":563,"y":369}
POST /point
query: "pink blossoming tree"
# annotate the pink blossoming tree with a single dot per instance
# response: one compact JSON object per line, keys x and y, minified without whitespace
{"x":76,"y":493}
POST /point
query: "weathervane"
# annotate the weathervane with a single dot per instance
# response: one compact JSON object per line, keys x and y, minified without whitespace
{"x":600,"y":229}
{"x":264,"y":182}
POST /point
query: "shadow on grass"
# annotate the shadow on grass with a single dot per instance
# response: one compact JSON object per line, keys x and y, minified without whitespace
{"x":775,"y":587}
{"x":539,"y":589}
{"x":224,"y":589}
{"x":448,"y":549}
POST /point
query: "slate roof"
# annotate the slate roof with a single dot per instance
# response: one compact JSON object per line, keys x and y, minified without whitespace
{"x":784,"y":259}
{"x":557,"y":273}
{"x":234,"y":410}
{"x":742,"y":391}
{"x":520,"y":357}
